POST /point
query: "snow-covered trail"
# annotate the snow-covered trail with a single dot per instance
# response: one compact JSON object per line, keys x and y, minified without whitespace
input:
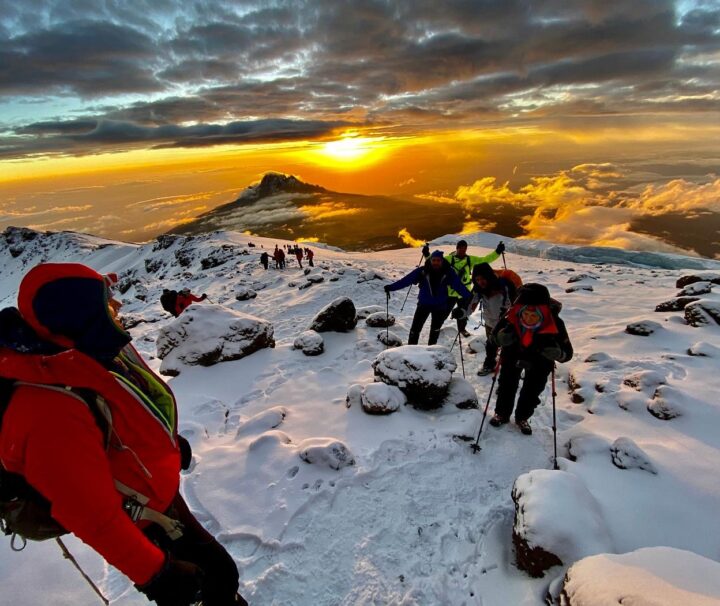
{"x":419,"y":520}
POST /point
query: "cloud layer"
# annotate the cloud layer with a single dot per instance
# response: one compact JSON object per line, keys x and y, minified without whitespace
{"x":175,"y":73}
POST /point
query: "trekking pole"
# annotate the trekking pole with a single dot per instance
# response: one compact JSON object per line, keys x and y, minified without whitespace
{"x":554,"y":427}
{"x":462,"y":356}
{"x":476,"y":446}
{"x":409,"y":289}
{"x":68,"y":556}
{"x":504,"y":263}
{"x":454,"y":341}
{"x":387,"y":320}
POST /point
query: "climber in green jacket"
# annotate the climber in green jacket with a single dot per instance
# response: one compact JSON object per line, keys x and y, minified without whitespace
{"x":463,"y":264}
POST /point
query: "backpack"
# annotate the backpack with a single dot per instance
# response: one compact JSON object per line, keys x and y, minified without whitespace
{"x":168,"y":299}
{"x":510,"y":276}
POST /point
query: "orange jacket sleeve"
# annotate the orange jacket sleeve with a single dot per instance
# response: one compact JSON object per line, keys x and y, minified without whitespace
{"x":53,"y":440}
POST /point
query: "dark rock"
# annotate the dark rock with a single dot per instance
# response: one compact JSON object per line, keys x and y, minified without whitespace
{"x":245,"y":294}
{"x":642,"y":329}
{"x":702,"y":313}
{"x":380,"y":320}
{"x":626,"y":454}
{"x":677,"y":304}
{"x":153,"y":265}
{"x":389,"y":339}
{"x":338,"y":316}
{"x":310,"y":343}
{"x":691,"y":279}
{"x":580,"y":287}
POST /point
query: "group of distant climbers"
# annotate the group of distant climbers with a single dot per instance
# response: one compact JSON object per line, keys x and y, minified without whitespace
{"x":280,"y":256}
{"x":524,"y":333}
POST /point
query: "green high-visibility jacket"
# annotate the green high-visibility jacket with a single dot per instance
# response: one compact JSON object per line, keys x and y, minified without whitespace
{"x":463,"y":268}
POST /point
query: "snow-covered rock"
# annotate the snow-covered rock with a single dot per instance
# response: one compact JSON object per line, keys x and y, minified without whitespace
{"x":653,"y":576}
{"x":337,"y":316}
{"x":381,"y":399}
{"x":676,"y":304}
{"x":310,"y":343}
{"x":703,"y":349}
{"x":708,"y":276}
{"x":380,"y":320}
{"x":667,"y":403}
{"x":368,"y":310}
{"x":703,"y":312}
{"x":579,"y":288}
{"x":645,"y":380}
{"x":368,"y":275}
{"x":354,"y":395}
{"x":580,"y":277}
{"x":389,"y":339}
{"x":326,"y":452}
{"x":243,"y":293}
{"x":262,"y":422}
{"x":315,"y":278}
{"x":696,"y":288}
{"x":422,"y":372}
{"x":461,"y":394}
{"x":644,"y":328}
{"x":207,"y":334}
{"x":476,"y":344}
{"x":557,"y":521}
{"x":626,"y":454}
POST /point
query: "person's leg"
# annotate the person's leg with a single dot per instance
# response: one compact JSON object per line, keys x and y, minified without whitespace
{"x":197,"y":545}
{"x":436,"y":323}
{"x":462,"y":304}
{"x":421,"y":315}
{"x":491,"y":349}
{"x":534,"y":384}
{"x":507,"y":388}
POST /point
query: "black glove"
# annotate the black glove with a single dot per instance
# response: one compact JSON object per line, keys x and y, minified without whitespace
{"x":553,"y":353}
{"x":177,"y":584}
{"x":426,"y":250}
{"x":386,"y":288}
{"x":500,"y":248}
{"x":459,"y":313}
{"x":505,"y":337}
{"x":204,"y":296}
{"x":185,"y":453}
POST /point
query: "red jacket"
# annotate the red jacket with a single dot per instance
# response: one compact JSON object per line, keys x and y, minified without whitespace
{"x":50,"y":437}
{"x":182,"y":302}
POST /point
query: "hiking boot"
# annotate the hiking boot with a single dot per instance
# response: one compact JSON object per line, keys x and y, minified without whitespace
{"x":524,"y":426}
{"x":498,"y":420}
{"x":465,"y":333}
{"x":485,"y":371}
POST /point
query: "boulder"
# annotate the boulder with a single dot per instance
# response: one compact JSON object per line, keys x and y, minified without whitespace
{"x":476,"y":344}
{"x":205,"y":335}
{"x":364,"y":312}
{"x":703,"y":313}
{"x":380,"y":320}
{"x":354,"y":395}
{"x":315,"y":278}
{"x":666,"y":403}
{"x":244,"y":293}
{"x":461,"y":394}
{"x":694,"y":278}
{"x":368,"y":275}
{"x":645,"y":380}
{"x":704,"y":350}
{"x":580,"y":277}
{"x":389,"y":339}
{"x":337,"y":316}
{"x":422,"y":372}
{"x":326,"y":452}
{"x":696,"y":288}
{"x":310,"y":343}
{"x":676,"y":304}
{"x":626,"y":454}
{"x":643,"y":328}
{"x":557,"y":521}
{"x":381,"y":399}
{"x":652,"y":576}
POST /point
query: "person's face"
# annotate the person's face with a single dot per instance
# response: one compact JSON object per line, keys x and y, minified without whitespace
{"x":530,"y":317}
{"x":114,"y":307}
{"x":481,"y":282}
{"x":461,"y":251}
{"x":436,"y":263}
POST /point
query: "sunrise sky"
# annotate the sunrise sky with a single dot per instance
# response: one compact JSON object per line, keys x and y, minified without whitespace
{"x":126,"y":119}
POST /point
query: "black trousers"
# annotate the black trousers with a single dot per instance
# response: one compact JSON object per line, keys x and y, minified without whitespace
{"x":462,"y":304}
{"x":198,"y":546}
{"x":536,"y":376}
{"x":491,"y":349}
{"x":438,"y":316}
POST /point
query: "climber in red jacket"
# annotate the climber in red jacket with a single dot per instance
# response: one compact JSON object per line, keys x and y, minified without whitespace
{"x":185,"y":299}
{"x":93,"y":430}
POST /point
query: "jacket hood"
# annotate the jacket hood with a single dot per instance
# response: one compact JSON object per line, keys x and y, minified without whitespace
{"x":66,"y":304}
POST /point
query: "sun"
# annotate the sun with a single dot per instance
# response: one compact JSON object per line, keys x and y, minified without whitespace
{"x":350,"y":151}
{"x":348,"y":148}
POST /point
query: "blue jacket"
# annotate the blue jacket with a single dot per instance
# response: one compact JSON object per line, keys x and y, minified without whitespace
{"x":433,"y":286}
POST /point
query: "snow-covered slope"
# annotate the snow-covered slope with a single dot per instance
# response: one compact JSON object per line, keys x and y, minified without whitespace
{"x":418,"y":519}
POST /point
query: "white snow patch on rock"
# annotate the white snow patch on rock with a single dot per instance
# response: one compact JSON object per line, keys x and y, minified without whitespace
{"x":262,"y":422}
{"x":381,"y":399}
{"x":310,"y":343}
{"x":327,"y":452}
{"x":461,"y":394}
{"x":626,"y":454}
{"x":207,"y":334}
